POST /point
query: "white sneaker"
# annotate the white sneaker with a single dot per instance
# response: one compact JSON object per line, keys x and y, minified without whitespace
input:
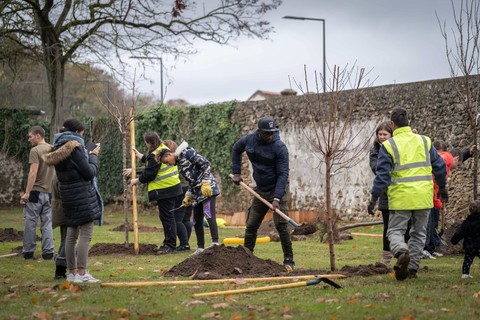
{"x":214,"y":244}
{"x":71,"y":277}
{"x":86,"y":278}
{"x":466,"y":276}
{"x":428,"y":255}
{"x":437,"y":254}
{"x":198,"y":251}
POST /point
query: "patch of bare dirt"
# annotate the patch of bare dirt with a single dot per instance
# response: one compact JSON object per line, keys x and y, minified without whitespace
{"x":103,"y":249}
{"x":10,"y":235}
{"x":140,"y":228}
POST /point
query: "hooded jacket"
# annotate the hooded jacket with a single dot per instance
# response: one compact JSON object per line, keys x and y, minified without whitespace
{"x":383,"y":200}
{"x":269,"y":162}
{"x":469,"y":231}
{"x":196,"y":170}
{"x":75,"y":171}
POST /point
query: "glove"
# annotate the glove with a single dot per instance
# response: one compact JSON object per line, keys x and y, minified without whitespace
{"x":206,"y":189}
{"x":371,"y":206}
{"x":443,"y":195}
{"x":236,"y":178}
{"x":187,"y":200}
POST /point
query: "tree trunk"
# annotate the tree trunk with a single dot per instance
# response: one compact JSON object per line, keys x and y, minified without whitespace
{"x":475,"y":162}
{"x":330,"y":214}
{"x":55,"y":68}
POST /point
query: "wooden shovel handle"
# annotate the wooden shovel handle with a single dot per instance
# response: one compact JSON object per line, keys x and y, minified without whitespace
{"x":268,"y":204}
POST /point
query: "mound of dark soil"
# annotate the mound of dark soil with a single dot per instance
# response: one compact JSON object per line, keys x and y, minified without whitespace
{"x":10,"y":235}
{"x":224,"y":261}
{"x":103,"y":249}
{"x":140,"y":228}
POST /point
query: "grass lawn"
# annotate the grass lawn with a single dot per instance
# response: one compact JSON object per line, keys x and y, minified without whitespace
{"x":27,"y":287}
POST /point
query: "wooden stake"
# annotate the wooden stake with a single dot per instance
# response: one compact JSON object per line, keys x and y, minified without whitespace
{"x":216,"y":281}
{"x":133,"y":176}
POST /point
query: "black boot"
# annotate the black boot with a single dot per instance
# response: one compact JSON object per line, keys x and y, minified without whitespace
{"x":60,"y":272}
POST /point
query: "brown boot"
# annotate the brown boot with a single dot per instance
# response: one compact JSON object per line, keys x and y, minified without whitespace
{"x":386,"y":258}
{"x":401,"y":268}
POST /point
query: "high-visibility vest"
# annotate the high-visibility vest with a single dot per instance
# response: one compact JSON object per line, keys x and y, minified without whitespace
{"x":411,"y":186}
{"x":167,"y":175}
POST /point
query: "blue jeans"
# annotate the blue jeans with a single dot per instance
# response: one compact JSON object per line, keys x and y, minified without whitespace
{"x":397,"y":226}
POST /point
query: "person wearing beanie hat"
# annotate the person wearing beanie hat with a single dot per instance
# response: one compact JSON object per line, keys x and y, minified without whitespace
{"x":269,"y":158}
{"x":469,"y":232}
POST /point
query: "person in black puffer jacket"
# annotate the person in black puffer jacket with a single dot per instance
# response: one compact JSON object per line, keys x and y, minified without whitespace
{"x":469,"y":231}
{"x":76,"y":169}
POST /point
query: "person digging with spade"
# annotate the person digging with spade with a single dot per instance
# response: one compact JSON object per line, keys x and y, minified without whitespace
{"x":202,"y":192}
{"x":269,"y":158}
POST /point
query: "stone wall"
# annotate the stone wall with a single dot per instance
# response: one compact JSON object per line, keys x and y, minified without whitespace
{"x":11,"y":175}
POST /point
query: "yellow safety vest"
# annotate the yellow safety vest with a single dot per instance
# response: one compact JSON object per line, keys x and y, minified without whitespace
{"x":167,"y":175}
{"x":411,"y":186}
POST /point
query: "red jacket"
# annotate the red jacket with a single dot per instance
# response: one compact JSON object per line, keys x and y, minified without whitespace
{"x":448,"y":158}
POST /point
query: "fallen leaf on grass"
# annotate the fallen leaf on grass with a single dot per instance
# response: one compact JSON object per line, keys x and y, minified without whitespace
{"x":211,"y":315}
{"x":236,"y":317}
{"x":98,"y":263}
{"x":332,"y":300}
{"x":352,"y":301}
{"x":34,"y":300}
{"x":285,"y":309}
{"x":383,"y":296}
{"x":10,"y":296}
{"x":140,"y":268}
{"x":124,"y":313}
{"x":230,"y":298}
{"x":370,"y":306}
{"x":74,"y":288}
{"x":193,"y":302}
{"x":391,"y":275}
{"x":220,"y":305}
{"x":239,"y":281}
{"x":63,"y":298}
{"x":320,"y":300}
{"x":446,"y":310}
{"x":42,"y":315}
{"x":408,"y":317}
{"x":476,"y":294}
{"x":7,"y":279}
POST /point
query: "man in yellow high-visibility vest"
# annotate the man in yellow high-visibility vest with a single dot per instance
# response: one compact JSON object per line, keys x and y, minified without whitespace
{"x":405,"y":166}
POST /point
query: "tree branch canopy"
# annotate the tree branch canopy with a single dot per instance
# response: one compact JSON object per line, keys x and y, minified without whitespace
{"x":100,"y":27}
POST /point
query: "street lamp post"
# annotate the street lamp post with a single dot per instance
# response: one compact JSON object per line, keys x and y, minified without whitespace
{"x":324,"y":55}
{"x":161,"y":71}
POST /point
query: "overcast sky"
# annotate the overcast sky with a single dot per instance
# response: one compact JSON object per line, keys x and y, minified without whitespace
{"x":399,"y":40}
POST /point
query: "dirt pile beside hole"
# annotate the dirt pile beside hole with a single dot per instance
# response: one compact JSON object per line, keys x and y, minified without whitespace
{"x":103,"y":249}
{"x":226,"y":262}
{"x":10,"y":235}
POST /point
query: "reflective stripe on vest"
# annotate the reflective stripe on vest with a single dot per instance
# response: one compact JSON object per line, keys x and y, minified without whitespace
{"x":411,"y":185}
{"x":167,"y":175}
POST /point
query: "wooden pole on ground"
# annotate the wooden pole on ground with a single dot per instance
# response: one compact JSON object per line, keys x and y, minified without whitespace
{"x":216,"y":281}
{"x":133,"y":176}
